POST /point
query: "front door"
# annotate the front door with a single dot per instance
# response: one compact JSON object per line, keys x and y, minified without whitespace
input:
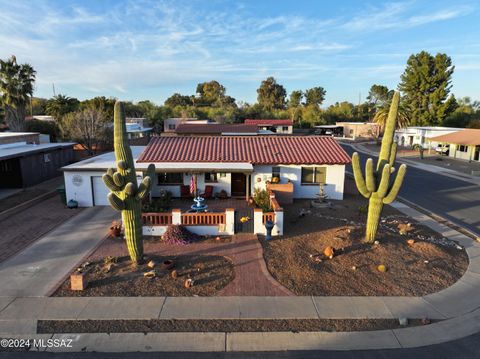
{"x":239,"y":184}
{"x":477,"y":153}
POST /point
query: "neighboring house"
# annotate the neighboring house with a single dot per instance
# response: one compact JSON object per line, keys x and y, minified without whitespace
{"x":354,"y":130}
{"x":329,"y":130}
{"x":463,"y":144}
{"x":216,"y":129}
{"x":41,"y":118}
{"x":24,"y":161}
{"x":135,"y":130}
{"x":417,"y":135}
{"x":276,"y":126}
{"x":141,"y":121}
{"x":235,"y":164}
{"x":170,"y":124}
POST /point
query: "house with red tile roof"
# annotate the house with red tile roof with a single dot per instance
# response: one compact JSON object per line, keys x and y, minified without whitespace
{"x":235,"y":165}
{"x":273,"y":125}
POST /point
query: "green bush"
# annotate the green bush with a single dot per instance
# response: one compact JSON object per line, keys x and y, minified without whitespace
{"x":262,"y":200}
{"x":159,"y":204}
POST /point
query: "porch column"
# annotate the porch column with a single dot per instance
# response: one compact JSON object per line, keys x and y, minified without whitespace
{"x":247,"y":185}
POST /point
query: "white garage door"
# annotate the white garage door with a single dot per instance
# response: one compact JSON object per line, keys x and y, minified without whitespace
{"x":100,"y":192}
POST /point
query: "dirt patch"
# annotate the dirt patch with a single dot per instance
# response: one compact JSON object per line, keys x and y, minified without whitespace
{"x":214,"y":325}
{"x":116,"y":277}
{"x":297,"y":261}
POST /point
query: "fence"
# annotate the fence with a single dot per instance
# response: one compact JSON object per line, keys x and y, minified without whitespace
{"x":213,"y":223}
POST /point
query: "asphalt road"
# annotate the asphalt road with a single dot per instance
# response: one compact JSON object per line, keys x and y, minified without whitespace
{"x":453,"y":199}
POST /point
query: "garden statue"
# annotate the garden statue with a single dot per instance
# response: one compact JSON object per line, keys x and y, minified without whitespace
{"x":126,"y":196}
{"x":376,"y":184}
{"x":269,"y":226}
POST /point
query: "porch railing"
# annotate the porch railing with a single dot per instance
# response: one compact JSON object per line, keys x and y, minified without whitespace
{"x":156,"y":219}
{"x":206,"y":219}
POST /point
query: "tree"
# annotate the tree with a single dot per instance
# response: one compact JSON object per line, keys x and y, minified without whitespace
{"x":403,"y":115}
{"x":211,"y":93}
{"x":38,"y":106}
{"x":425,"y":84}
{"x":315,"y":96}
{"x":59,"y":105}
{"x":178,"y":100}
{"x":271,"y":95}
{"x":16,"y":85}
{"x":89,"y":127}
{"x":101,"y":103}
{"x":466,"y":111}
{"x":379,"y":95}
{"x":295,"y":99}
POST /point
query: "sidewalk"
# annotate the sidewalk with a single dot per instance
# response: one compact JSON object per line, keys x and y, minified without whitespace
{"x":458,"y":305}
{"x":40,"y":266}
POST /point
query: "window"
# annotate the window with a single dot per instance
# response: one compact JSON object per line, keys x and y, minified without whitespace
{"x":314,"y":175}
{"x":171,"y":127}
{"x":285,"y":128}
{"x":275,"y":173}
{"x":210,"y":177}
{"x":463,"y":148}
{"x":170,"y":178}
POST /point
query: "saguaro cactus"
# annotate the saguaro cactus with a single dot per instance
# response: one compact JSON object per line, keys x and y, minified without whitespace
{"x":125,"y":195}
{"x":376,"y":184}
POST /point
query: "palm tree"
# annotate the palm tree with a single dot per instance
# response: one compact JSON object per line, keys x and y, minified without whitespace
{"x":403,"y":117}
{"x":60,"y":105}
{"x":16,"y":85}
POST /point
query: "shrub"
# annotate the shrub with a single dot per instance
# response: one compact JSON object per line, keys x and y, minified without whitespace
{"x":262,"y":200}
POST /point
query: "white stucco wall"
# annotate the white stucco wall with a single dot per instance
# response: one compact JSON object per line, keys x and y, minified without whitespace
{"x":333,"y":188}
{"x":461,"y":155}
{"x":83,"y":192}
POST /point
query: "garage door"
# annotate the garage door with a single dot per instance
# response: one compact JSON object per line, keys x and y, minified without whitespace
{"x":100,"y":192}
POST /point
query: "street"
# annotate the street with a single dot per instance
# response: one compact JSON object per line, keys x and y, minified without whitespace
{"x":454,"y":199}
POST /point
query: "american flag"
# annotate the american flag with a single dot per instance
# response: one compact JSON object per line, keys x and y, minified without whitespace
{"x":193,"y":184}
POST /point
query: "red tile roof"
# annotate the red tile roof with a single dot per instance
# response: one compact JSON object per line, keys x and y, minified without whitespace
{"x":268,"y":122}
{"x":216,"y":128}
{"x":296,"y":150}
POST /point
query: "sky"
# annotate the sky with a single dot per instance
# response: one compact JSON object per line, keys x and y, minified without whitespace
{"x":148,"y":50}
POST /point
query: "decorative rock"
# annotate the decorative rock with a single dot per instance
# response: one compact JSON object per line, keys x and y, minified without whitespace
{"x":410,"y":242}
{"x":168,"y":264}
{"x":458,"y":247}
{"x":189,"y":283}
{"x":151,"y":264}
{"x":174,"y":274}
{"x":426,"y":262}
{"x":150,"y":274}
{"x":218,"y":238}
{"x":403,"y":322}
{"x":354,"y":268}
{"x":329,"y":252}
{"x":382,"y":268}
{"x":376,"y":243}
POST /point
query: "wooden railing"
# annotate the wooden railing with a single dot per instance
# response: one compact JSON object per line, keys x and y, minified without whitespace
{"x":268,"y":216}
{"x":203,"y":219}
{"x":156,"y":219}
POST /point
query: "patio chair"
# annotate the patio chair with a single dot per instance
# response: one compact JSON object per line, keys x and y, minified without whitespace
{"x":185,"y":191}
{"x":208,"y":192}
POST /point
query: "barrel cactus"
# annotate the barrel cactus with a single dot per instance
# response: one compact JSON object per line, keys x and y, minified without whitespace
{"x":376,"y":184}
{"x":126,"y":196}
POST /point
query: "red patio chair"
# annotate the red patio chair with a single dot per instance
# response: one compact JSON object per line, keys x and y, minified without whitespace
{"x":185,"y":191}
{"x":208,"y":192}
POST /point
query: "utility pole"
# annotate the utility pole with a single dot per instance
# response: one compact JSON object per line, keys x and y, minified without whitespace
{"x":53,"y":85}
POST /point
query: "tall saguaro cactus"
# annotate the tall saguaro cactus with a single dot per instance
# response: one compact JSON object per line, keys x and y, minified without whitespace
{"x":125,"y":195}
{"x":376,"y":184}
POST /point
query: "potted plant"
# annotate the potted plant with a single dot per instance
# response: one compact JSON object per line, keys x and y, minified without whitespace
{"x":116,"y":229}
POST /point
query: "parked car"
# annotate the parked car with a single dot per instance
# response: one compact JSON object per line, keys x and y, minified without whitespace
{"x":443,"y":149}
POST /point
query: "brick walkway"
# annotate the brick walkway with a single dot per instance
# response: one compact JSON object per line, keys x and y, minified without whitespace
{"x":20,"y":230}
{"x":251,"y":275}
